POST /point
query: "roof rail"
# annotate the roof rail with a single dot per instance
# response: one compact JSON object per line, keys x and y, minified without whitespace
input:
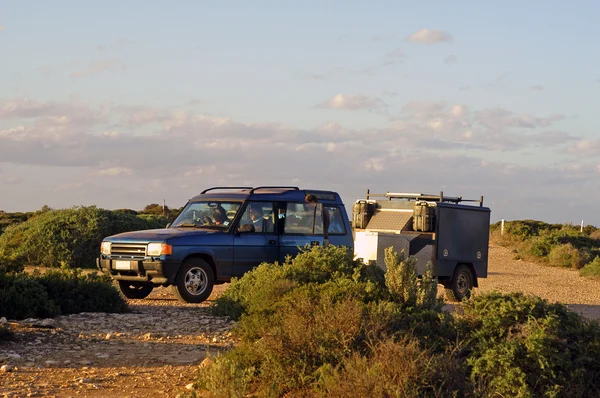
{"x":274,"y":186}
{"x":213,"y":188}
{"x":423,"y":196}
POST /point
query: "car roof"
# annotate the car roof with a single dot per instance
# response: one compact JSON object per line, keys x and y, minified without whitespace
{"x":275,"y":193}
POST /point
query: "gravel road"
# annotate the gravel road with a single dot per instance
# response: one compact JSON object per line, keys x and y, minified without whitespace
{"x":155,"y":350}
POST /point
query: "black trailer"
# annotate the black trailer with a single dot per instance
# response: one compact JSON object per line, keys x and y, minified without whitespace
{"x":450,"y":232}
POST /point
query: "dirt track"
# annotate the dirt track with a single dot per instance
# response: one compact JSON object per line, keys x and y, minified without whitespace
{"x":155,"y":351}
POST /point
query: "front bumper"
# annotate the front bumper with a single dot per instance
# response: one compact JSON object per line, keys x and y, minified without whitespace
{"x":157,"y":272}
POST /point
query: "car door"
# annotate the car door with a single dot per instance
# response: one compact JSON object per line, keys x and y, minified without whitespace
{"x":302,"y":225}
{"x":257,"y":240}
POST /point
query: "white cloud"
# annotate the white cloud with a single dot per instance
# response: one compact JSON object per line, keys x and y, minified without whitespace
{"x":351,"y":102}
{"x":114,"y":172}
{"x":179,"y":152}
{"x":99,"y":66}
{"x":586,"y":148}
{"x":427,"y":36}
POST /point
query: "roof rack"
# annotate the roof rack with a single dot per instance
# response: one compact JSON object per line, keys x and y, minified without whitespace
{"x":214,"y":188}
{"x":274,"y":187}
{"x":423,"y":196}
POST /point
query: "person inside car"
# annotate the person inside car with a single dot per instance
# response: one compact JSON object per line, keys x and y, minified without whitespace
{"x":261,"y":224}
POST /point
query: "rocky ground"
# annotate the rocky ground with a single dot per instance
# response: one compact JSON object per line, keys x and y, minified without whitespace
{"x":155,"y":350}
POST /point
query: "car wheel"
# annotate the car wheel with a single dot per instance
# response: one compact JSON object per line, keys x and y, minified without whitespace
{"x":135,"y":290}
{"x":461,"y":284}
{"x":194,"y":281}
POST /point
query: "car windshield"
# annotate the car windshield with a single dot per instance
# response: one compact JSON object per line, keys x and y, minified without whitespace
{"x":207,"y":214}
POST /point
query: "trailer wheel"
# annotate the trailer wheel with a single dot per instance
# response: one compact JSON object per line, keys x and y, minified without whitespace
{"x":194,"y":281}
{"x":461,"y":284}
{"x":135,"y":290}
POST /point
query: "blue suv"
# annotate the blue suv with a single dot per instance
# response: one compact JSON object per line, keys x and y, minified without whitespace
{"x":223,"y":233}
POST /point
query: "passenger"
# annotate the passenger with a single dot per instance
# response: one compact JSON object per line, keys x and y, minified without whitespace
{"x":260,"y":223}
{"x":219,"y":216}
{"x":335,"y":226}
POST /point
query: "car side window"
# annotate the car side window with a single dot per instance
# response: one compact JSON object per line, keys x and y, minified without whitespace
{"x":303,"y":218}
{"x":336,"y":222}
{"x":258,"y":217}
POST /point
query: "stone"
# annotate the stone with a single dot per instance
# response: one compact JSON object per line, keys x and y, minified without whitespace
{"x":3,"y":320}
{"x":6,"y":368}
{"x":189,"y":386}
{"x":52,"y":363}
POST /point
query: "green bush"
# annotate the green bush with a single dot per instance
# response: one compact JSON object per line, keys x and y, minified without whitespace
{"x":300,"y":321}
{"x":554,"y":244}
{"x":403,"y":284}
{"x":592,"y":268}
{"x":22,"y":296}
{"x":315,"y":328}
{"x":56,"y":292}
{"x":564,"y":256}
{"x":394,"y":369}
{"x":518,"y":345}
{"x":69,"y":237}
{"x":74,"y":292}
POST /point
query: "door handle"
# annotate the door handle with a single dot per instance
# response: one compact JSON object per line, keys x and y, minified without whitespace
{"x":315,"y":243}
{"x":272,"y":241}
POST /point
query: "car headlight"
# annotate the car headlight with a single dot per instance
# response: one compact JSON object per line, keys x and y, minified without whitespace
{"x":157,"y":249}
{"x":105,"y":248}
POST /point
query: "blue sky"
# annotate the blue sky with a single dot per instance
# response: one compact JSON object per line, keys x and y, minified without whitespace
{"x":122,"y":104}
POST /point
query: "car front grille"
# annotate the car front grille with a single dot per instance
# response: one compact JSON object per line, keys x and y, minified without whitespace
{"x":128,"y":251}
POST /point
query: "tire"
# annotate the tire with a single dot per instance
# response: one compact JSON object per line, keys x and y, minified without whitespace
{"x":135,"y":290}
{"x":194,"y":281}
{"x":461,"y":284}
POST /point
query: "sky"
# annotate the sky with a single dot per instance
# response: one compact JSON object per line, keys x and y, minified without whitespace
{"x":121,"y":104}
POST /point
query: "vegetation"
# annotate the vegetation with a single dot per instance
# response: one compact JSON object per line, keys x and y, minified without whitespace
{"x":557,"y":245}
{"x":56,"y":292}
{"x":8,"y":219}
{"x":325,"y":325}
{"x":67,"y":238}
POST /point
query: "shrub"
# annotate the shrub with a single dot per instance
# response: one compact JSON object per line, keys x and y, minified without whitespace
{"x":592,"y":268}
{"x":22,"y":296}
{"x":523,"y":346}
{"x":394,"y":369}
{"x":56,"y":292}
{"x":74,"y":292}
{"x":260,"y":289}
{"x":567,"y":256}
{"x":403,"y":284}
{"x":301,"y":320}
{"x":69,"y":237}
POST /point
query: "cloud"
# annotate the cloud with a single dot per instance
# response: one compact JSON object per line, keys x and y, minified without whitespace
{"x":537,"y":87}
{"x":99,"y":66}
{"x":114,"y":172}
{"x":450,"y":59}
{"x":448,"y":146}
{"x":351,"y":102}
{"x":427,"y":36}
{"x":586,"y":148}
